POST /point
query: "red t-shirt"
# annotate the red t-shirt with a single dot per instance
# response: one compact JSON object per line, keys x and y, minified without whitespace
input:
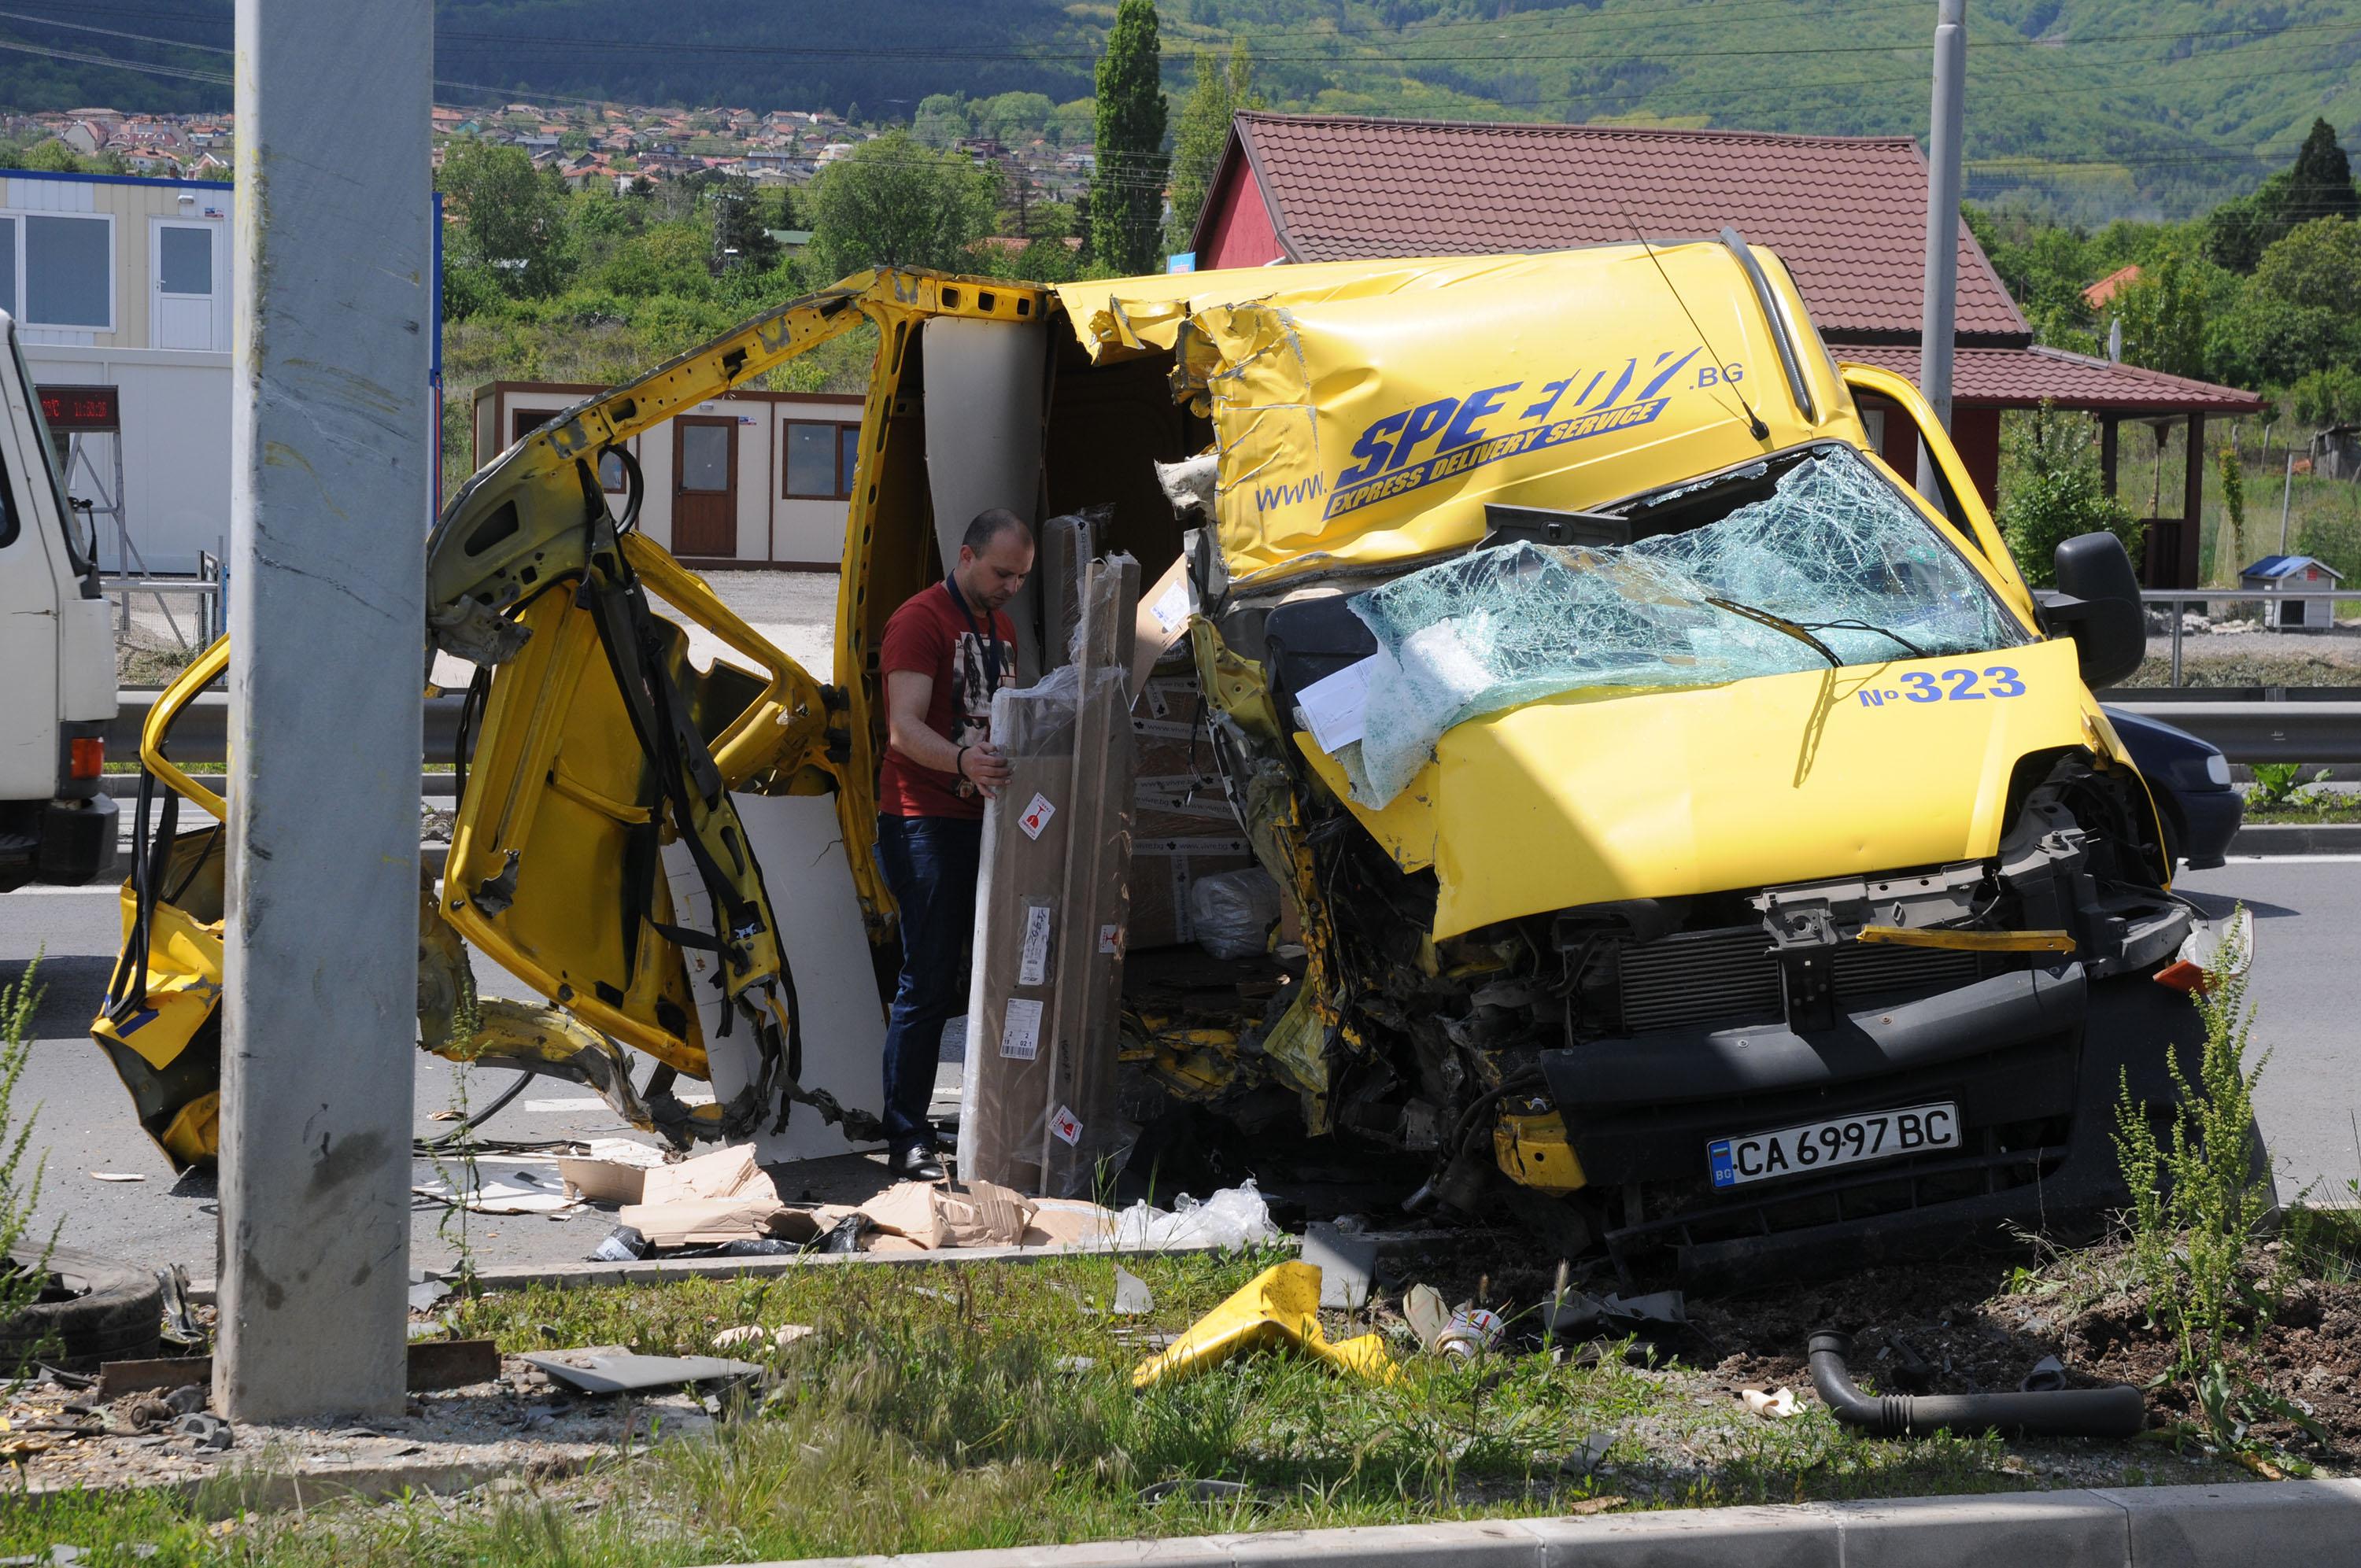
{"x":936,"y":635}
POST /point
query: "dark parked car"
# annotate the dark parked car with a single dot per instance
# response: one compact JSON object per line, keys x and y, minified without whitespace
{"x":2190,"y":780}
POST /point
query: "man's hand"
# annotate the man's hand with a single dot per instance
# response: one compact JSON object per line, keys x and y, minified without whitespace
{"x":987,"y":769}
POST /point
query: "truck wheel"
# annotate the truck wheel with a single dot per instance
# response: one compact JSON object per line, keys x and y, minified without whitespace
{"x":95,"y":1310}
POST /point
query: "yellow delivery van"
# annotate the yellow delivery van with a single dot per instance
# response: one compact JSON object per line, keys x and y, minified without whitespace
{"x":1687,"y":834}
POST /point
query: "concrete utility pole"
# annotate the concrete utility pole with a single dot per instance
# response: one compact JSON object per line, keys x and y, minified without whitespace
{"x":1935,"y":321}
{"x":330,"y":428}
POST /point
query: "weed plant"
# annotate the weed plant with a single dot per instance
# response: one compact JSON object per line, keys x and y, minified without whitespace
{"x":20,"y":1188}
{"x":2200,"y":1202}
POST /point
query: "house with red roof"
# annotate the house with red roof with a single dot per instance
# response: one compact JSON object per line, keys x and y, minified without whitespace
{"x":1847,"y":214}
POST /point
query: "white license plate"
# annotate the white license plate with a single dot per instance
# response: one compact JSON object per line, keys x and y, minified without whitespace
{"x":1824,"y":1146}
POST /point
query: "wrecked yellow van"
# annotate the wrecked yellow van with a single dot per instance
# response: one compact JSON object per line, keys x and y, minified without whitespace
{"x":1694,"y":841}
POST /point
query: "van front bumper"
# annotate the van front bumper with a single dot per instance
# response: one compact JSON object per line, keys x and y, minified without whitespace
{"x":2034,"y":1061}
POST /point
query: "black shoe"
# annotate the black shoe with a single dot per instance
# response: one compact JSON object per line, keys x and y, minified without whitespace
{"x":919,"y":1164}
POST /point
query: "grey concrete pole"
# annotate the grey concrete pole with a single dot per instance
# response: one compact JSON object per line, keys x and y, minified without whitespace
{"x":330,"y":431}
{"x":1935,"y":322}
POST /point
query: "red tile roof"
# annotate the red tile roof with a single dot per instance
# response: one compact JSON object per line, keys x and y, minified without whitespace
{"x":1848,"y":213}
{"x":2020,"y":378}
{"x":2106,"y":288}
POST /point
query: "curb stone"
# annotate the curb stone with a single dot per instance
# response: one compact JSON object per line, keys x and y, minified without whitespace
{"x":2308,"y":1522}
{"x":2297,"y":838}
{"x":655,"y":1270}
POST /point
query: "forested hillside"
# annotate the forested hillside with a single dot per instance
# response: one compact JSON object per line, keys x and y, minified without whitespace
{"x":2091,"y":108}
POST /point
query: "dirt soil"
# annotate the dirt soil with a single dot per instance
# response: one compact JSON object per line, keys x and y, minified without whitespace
{"x":1978,"y":1323}
{"x":1982,"y":1337}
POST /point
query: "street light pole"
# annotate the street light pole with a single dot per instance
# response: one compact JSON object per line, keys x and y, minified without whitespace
{"x":1936,"y":326}
{"x":330,"y":433}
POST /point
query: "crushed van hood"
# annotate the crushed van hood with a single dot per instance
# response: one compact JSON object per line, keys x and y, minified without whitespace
{"x":1605,"y":793}
{"x":1353,"y":431}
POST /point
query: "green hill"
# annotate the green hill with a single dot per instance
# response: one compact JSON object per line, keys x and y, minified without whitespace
{"x":2092,"y":107}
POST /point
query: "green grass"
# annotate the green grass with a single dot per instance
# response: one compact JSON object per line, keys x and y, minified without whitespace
{"x":940,"y":1409}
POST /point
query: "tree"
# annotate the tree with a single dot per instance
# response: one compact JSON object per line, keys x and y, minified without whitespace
{"x":941,"y":119}
{"x":2318,"y":185}
{"x":2322,"y":180}
{"x":2316,"y":266}
{"x":2327,"y":397}
{"x":510,"y":219}
{"x":897,"y":204}
{"x":1221,"y":93}
{"x":2233,"y":499}
{"x":2055,"y":492}
{"x":740,"y":237}
{"x":1127,"y":186}
{"x":2164,"y":319}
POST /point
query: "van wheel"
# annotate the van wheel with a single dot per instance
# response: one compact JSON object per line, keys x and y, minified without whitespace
{"x":94,"y":1309}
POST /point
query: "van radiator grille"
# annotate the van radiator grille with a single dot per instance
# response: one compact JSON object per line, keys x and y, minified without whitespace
{"x":1730,"y":976}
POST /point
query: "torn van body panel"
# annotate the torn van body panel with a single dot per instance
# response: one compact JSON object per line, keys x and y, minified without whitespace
{"x":1715,"y":848}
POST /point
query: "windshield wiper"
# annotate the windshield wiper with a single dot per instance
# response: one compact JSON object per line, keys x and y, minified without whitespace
{"x":1916,"y":651}
{"x":1779,"y":623}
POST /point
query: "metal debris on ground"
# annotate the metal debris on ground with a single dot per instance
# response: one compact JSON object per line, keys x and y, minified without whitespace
{"x":1280,"y":1306}
{"x":1345,"y":1262}
{"x":516,"y":1191}
{"x":1195,"y":1491}
{"x":612,"y":1369}
{"x":210,"y":1432}
{"x":1471,"y":1331}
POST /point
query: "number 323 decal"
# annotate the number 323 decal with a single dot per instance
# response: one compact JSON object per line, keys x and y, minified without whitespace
{"x":1947,"y":685}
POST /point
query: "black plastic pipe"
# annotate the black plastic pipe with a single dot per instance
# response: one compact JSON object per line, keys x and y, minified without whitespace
{"x":2119,"y":1411}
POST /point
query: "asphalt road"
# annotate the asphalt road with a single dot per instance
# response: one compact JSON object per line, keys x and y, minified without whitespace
{"x":2306,"y":910}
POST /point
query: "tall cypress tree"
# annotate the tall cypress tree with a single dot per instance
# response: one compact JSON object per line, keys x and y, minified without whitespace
{"x":1127,"y":186}
{"x":2322,"y":184}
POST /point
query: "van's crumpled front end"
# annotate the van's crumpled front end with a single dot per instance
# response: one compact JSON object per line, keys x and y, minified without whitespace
{"x":1691,"y":825}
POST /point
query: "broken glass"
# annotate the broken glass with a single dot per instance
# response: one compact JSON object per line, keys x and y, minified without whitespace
{"x":1835,"y":553}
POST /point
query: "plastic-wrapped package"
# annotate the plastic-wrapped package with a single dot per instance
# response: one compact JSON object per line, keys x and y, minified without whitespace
{"x":1234,"y":1217}
{"x":1835,"y":550}
{"x":1233,"y":913}
{"x":1037,"y":1099}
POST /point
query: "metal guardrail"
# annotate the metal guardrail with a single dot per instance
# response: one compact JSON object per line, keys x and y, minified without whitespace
{"x":2247,"y":731}
{"x":2315,"y":732}
{"x":2177,"y":597}
{"x":202,"y":735}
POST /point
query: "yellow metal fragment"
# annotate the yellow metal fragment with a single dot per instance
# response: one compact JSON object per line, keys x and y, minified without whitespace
{"x":1280,"y":1306}
{"x":1970,"y":941}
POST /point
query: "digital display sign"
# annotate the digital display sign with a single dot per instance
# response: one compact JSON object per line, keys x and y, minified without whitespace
{"x":81,"y":408}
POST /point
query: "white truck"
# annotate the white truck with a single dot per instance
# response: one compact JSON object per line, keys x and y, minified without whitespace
{"x":57,"y":661}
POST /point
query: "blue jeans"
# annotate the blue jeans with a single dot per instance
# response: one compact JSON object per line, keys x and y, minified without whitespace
{"x":929,"y":866}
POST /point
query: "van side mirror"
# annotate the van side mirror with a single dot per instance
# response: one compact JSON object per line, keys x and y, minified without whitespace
{"x":2097,"y":603}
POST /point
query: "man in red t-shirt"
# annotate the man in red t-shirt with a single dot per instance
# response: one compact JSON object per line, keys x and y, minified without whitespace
{"x":945,"y":653}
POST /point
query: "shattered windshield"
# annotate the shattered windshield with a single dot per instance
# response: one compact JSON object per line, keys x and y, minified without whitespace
{"x":1834,"y":567}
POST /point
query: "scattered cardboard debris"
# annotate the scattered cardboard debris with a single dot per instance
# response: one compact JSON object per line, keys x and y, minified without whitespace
{"x":711,"y":1222}
{"x":935,"y":1216}
{"x":732,"y":1172}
